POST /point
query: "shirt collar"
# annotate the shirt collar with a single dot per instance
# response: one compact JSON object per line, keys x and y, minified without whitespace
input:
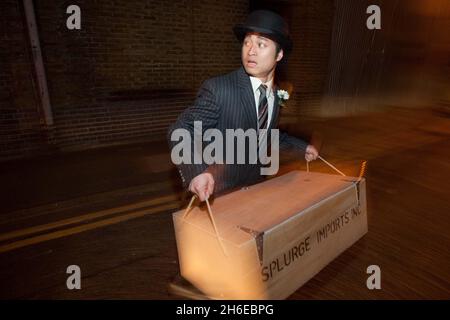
{"x":256,"y":83}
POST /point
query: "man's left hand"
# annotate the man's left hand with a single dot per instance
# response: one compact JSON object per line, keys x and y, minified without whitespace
{"x":311,"y":153}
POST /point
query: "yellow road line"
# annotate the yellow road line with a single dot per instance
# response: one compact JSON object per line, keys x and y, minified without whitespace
{"x":45,"y":209}
{"x":89,"y":216}
{"x":85,"y":227}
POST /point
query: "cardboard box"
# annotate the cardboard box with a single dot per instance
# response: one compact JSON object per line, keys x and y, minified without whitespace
{"x":275,"y":235}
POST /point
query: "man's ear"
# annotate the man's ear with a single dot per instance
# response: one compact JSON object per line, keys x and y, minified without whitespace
{"x":280,"y":55}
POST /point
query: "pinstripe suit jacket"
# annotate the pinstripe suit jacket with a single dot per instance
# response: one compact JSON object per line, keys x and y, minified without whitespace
{"x":227,"y":102}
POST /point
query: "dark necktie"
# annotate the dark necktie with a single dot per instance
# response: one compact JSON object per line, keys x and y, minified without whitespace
{"x":262,"y":107}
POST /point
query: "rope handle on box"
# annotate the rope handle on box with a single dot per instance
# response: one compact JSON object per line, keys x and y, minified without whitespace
{"x":362,"y":170}
{"x":327,"y":163}
{"x":211,"y":217}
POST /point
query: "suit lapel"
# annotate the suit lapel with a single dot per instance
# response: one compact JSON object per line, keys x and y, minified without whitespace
{"x":276,"y":108}
{"x":247,"y":97}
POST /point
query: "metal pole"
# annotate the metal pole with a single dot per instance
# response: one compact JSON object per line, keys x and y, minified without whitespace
{"x":38,"y":62}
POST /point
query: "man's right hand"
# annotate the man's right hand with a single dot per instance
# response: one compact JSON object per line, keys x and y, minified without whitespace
{"x":202,"y":185}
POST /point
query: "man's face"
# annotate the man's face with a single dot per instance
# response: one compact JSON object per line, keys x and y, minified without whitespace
{"x":259,"y":56}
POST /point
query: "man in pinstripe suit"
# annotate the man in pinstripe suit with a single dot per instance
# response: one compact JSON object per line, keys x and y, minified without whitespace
{"x":243,"y":99}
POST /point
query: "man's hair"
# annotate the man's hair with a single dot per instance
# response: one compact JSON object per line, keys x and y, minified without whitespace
{"x":277,"y":48}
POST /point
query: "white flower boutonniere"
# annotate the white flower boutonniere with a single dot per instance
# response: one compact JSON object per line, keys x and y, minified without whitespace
{"x":283,"y":95}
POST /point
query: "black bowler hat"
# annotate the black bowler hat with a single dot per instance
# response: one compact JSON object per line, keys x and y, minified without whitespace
{"x":267,"y":23}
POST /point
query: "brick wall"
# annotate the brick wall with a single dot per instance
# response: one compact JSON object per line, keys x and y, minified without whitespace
{"x":117,"y":121}
{"x":128,"y":73}
{"x":134,"y":66}
{"x":20,"y":129}
{"x":136,"y":45}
